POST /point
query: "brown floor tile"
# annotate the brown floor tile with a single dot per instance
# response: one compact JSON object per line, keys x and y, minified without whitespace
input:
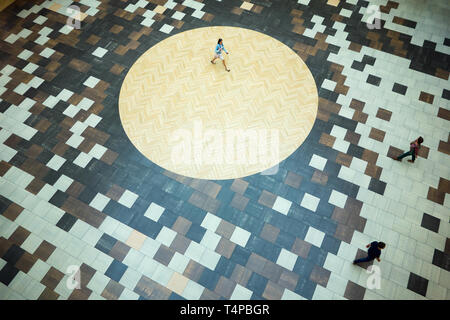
{"x":26,"y":262}
{"x":320,"y":276}
{"x":209,"y":295}
{"x":327,"y":140}
{"x":113,"y":290}
{"x":288,"y":279}
{"x":181,"y":225}
{"x":225,"y":229}
{"x":193,"y":271}
{"x":241,"y":275}
{"x":292,"y":179}
{"x":255,"y":263}
{"x":352,"y":137}
{"x":357,"y":105}
{"x":164,"y":255}
{"x":145,"y":287}
{"x":426,"y":97}
{"x":384,"y":114}
{"x":212,"y":189}
{"x":4,"y":167}
{"x":48,"y":294}
{"x":269,"y":232}
{"x":19,"y":235}
{"x":370,"y":156}
{"x":35,"y":186}
{"x":344,"y":233}
{"x":319,"y":177}
{"x":13,"y":211}
{"x":239,"y":186}
{"x":80,"y":294}
{"x":377,"y":134}
{"x":273,"y":291}
{"x":239,"y":202}
{"x":272,"y":271}
{"x":356,"y":222}
{"x":267,"y":199}
{"x":119,"y":251}
{"x":394,"y":152}
{"x":180,"y":244}
{"x":75,"y":189}
{"x":4,"y":245}
{"x":225,"y":248}
{"x":44,"y":250}
{"x":225,"y":287}
{"x":360,"y":116}
{"x":444,"y":185}
{"x":353,"y":206}
{"x":344,"y":159}
{"x":340,"y":215}
{"x":86,"y":274}
{"x":83,"y":212}
{"x":52,"y":278}
{"x":444,"y":114}
{"x":436,"y":196}
{"x":301,"y":248}
{"x":354,"y":291}
{"x":373,"y":171}
{"x":109,"y":157}
{"x":444,"y":147}
{"x":198,"y":199}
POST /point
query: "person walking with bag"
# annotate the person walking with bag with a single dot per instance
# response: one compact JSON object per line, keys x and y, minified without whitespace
{"x":413,"y":150}
{"x":218,"y":53}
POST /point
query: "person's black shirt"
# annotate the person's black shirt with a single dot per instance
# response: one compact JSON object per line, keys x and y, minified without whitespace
{"x":374,"y":251}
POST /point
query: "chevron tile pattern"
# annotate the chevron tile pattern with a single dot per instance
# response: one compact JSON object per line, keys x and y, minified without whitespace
{"x":269,"y":95}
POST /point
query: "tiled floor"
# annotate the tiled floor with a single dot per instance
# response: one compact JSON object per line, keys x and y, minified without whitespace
{"x":75,"y":191}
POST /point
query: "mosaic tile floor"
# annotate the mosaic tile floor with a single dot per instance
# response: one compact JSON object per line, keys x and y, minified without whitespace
{"x":74,"y":190}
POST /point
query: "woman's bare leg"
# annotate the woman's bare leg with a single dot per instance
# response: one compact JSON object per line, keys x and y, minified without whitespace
{"x":214,"y":59}
{"x":223,"y":61}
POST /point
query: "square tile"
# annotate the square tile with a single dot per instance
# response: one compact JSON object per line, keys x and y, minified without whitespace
{"x":128,"y":198}
{"x":314,"y":236}
{"x":56,"y":162}
{"x":338,"y":199}
{"x":154,"y":212}
{"x":310,"y":202}
{"x":91,"y":82}
{"x":282,"y":205}
{"x":287,"y":259}
{"x":99,"y":52}
{"x":318,"y":162}
{"x":240,"y":236}
{"x":99,"y":202}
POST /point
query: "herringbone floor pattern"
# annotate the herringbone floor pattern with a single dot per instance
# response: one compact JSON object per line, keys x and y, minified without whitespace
{"x":183,"y":113}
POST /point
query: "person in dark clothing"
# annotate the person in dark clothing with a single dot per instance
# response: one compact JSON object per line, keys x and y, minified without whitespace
{"x":374,"y":252}
{"x":413,"y":150}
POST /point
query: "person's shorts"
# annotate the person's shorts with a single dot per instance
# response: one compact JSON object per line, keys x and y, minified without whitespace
{"x":218,"y":55}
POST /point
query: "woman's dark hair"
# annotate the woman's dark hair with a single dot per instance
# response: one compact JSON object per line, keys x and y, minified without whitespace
{"x":420,"y":140}
{"x":218,"y":42}
{"x":381,"y":245}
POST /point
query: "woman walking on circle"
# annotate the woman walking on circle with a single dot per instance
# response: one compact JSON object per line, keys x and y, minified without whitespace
{"x":218,"y":54}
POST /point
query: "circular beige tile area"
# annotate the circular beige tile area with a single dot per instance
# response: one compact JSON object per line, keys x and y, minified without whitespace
{"x":195,"y":119}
